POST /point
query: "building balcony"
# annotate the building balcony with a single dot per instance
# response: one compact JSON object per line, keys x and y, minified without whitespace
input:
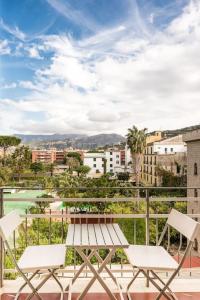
{"x":140,"y":227}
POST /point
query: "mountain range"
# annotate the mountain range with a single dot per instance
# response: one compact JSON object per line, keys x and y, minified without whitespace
{"x":80,"y":141}
{"x":83,"y":141}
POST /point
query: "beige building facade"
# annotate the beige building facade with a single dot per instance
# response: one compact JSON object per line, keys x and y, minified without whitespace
{"x":193,"y":175}
{"x":166,"y":154}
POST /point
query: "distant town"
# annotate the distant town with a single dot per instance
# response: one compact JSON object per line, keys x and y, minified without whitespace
{"x":165,"y":151}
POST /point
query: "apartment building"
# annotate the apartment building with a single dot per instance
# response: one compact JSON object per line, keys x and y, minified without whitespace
{"x":110,"y":161}
{"x":52,"y":155}
{"x":168,"y":154}
{"x":192,"y":140}
{"x":44,"y":156}
{"x":96,"y":162}
{"x":113,"y":160}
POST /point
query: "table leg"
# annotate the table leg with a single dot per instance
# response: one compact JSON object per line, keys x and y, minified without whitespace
{"x":98,"y":257}
{"x":96,"y":273}
{"x":79,"y":271}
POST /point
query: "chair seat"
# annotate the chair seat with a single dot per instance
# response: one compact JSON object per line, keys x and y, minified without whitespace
{"x":42,"y":257}
{"x":150,"y":258}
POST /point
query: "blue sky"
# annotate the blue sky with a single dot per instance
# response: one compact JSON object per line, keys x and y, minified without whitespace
{"x":97,"y":66}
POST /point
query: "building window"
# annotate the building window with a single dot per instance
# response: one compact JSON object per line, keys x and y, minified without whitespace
{"x":110,"y":153}
{"x":94,"y":159}
{"x":172,"y":149}
{"x":195,"y":169}
{"x":111,"y":165}
{"x":94,"y":165}
{"x":178,"y":168}
{"x":165,"y":150}
{"x":111,"y":171}
{"x":111,"y":159}
{"x":117,"y":156}
{"x":117,"y":162}
{"x":195,"y":193}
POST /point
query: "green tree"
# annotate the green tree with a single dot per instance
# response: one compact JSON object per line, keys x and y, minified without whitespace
{"x":50,"y":168}
{"x":73,"y":160}
{"x":136,"y":141}
{"x":5,"y":175}
{"x":36,"y":167}
{"x":7,"y":142}
{"x":82,"y":170}
{"x":21,"y":159}
{"x":75,"y":155}
{"x":123,"y":176}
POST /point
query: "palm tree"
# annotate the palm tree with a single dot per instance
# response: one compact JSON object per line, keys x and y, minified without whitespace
{"x":136,"y":141}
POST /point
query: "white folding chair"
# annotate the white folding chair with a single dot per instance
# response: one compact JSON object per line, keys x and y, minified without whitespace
{"x":149,"y":259}
{"x":35,"y":259}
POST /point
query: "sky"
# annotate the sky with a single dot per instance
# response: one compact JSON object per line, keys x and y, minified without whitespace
{"x":98,"y":66}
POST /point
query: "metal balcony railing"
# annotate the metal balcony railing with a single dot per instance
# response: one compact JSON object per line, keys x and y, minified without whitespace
{"x":140,"y":214}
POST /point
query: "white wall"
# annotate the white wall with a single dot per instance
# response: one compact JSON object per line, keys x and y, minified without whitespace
{"x":95,"y":161}
{"x":169,"y":148}
{"x":113,"y":160}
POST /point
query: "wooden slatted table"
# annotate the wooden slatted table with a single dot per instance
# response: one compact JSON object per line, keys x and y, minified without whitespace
{"x":94,"y":237}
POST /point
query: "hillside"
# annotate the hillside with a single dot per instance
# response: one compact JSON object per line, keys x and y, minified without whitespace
{"x":29,"y":138}
{"x":61,"y":141}
{"x":82,"y":141}
{"x":174,"y":132}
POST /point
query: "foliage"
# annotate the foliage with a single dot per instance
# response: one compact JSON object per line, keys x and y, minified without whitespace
{"x":169,"y":179}
{"x":136,"y":141}
{"x":36,"y":167}
{"x":40,"y":205}
{"x":50,"y":168}
{"x":82,"y":170}
{"x":123,"y":176}
{"x":20,"y":160}
{"x":5,"y":175}
{"x":6,"y":142}
{"x":73,"y":160}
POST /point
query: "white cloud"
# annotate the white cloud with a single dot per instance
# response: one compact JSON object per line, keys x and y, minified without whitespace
{"x":4,"y":47}
{"x":5,"y":86}
{"x":66,"y":10}
{"x":117,"y":78}
{"x":33,"y":52}
{"x":15,"y":31}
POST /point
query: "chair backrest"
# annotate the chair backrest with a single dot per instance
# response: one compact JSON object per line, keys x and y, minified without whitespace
{"x":184,"y":224}
{"x":8,"y":224}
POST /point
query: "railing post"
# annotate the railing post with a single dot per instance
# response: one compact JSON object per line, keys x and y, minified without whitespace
{"x":147,"y":217}
{"x":1,"y":242}
{"x":147,"y":227}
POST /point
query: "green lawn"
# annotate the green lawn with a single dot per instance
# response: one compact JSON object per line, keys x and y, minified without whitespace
{"x":20,"y":205}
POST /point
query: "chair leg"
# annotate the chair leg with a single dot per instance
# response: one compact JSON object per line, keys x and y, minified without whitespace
{"x":130,"y":283}
{"x":35,"y":290}
{"x":60,"y":285}
{"x":27,"y":280}
{"x":162,"y":293}
{"x":168,"y":288}
{"x":23,"y":286}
